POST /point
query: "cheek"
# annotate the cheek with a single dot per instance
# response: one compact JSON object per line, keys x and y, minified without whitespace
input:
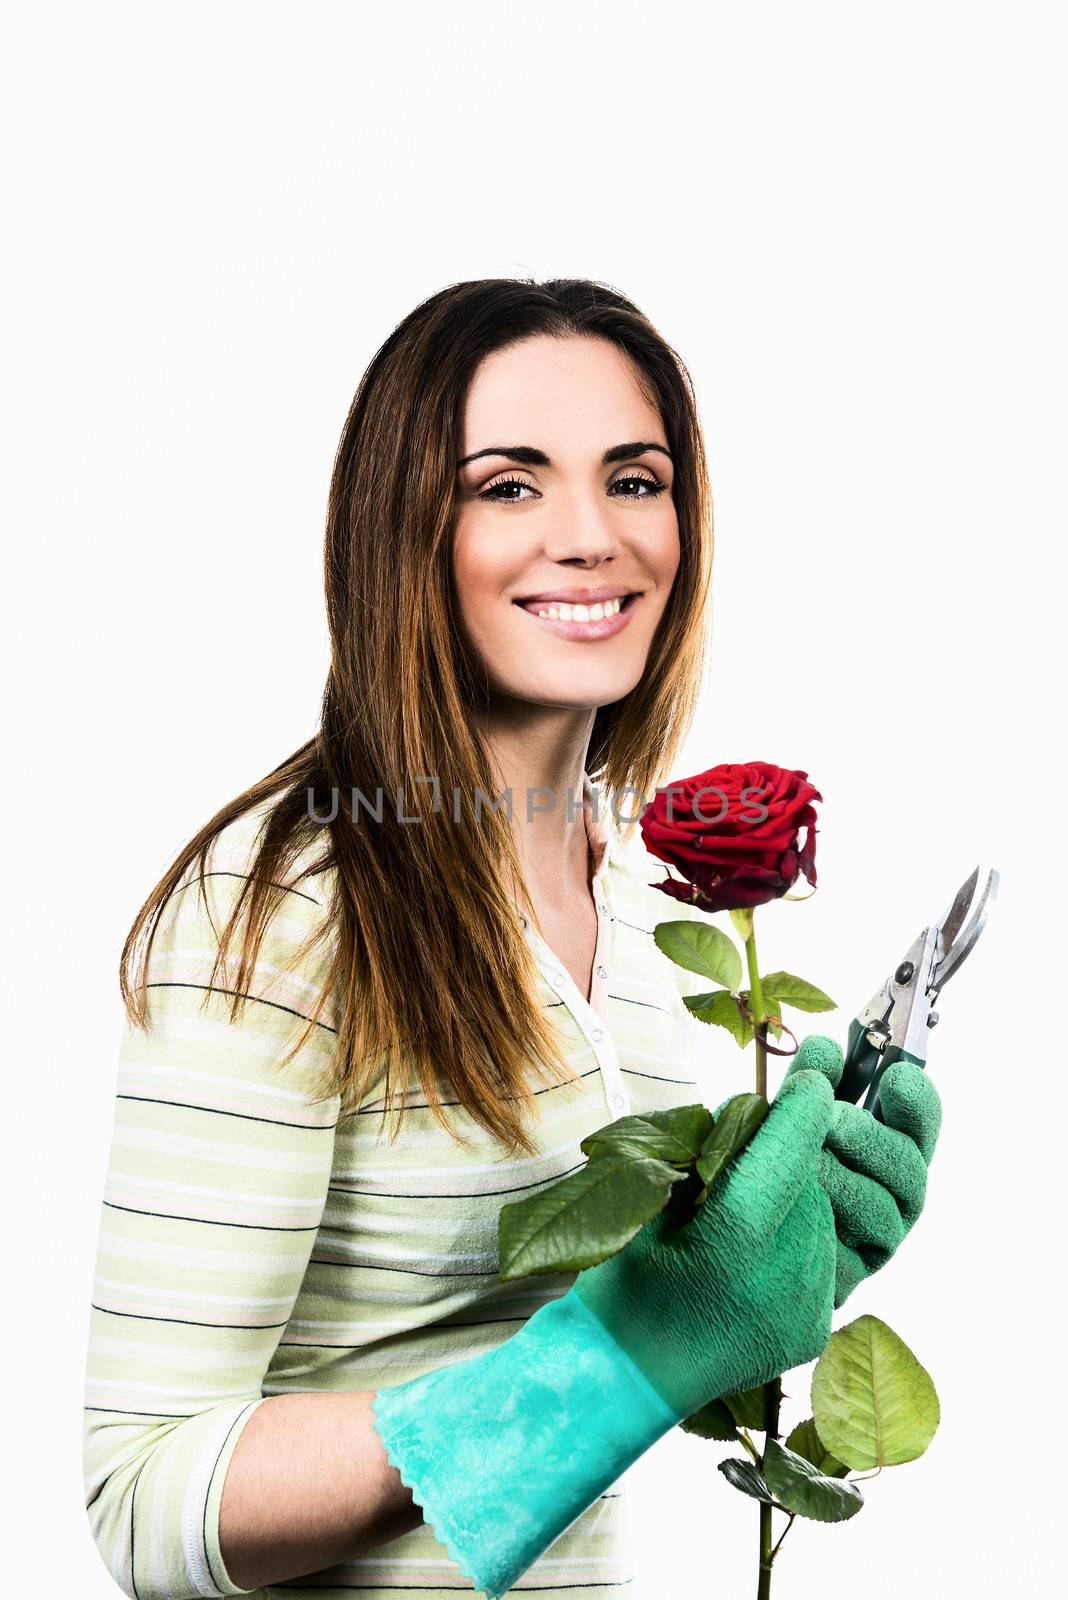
{"x":672,"y":549}
{"x":663,"y":557}
{"x":482,"y":572}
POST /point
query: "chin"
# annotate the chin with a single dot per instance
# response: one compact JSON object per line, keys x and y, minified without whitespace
{"x":565,"y":693}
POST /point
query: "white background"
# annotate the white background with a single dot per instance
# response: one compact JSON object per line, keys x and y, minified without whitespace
{"x":848,"y":220}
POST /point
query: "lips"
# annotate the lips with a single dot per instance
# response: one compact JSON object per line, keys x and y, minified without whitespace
{"x":536,"y":603}
{"x":578,"y":628}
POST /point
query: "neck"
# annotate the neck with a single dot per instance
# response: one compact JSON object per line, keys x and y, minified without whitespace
{"x":540,"y":756}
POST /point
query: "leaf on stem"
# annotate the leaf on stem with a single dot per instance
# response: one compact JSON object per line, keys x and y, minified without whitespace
{"x":804,"y":1489}
{"x":872,"y":1402}
{"x":732,"y":1130}
{"x":713,"y":1421}
{"x":699,"y":947}
{"x":675,"y":1134}
{"x":796,"y":992}
{"x":805,"y":1441}
{"x":746,"y":1406}
{"x":746,"y":1476}
{"x":582,"y":1219}
{"x":721,"y":1008}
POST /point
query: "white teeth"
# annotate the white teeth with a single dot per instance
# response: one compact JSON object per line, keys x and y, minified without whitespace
{"x":579,"y":613}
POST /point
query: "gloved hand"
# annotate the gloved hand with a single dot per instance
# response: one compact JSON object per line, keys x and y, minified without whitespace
{"x":505,"y":1450}
{"x":874,"y":1173}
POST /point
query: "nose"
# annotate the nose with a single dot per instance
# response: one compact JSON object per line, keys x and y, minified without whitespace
{"x":582,"y":529}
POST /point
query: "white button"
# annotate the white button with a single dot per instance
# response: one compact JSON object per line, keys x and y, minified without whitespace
{"x":559,"y":979}
{"x":602,"y":972}
{"x":618,"y":1102}
{"x":601,"y":906}
{"x":597,"y":1035}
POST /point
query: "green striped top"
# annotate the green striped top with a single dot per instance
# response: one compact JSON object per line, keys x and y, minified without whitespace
{"x":252,"y":1243}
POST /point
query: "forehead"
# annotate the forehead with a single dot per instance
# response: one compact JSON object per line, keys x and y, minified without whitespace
{"x":575,"y":390}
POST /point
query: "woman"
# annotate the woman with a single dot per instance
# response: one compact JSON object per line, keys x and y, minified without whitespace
{"x":297,"y":1319}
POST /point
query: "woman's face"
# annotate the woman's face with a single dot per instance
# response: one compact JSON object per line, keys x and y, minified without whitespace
{"x":568,"y":503}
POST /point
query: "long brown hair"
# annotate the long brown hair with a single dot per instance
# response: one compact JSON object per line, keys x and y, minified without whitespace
{"x":409,"y":901}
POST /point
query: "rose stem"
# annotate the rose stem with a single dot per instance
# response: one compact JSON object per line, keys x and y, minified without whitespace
{"x":771,"y":1390}
{"x":756,"y":1006}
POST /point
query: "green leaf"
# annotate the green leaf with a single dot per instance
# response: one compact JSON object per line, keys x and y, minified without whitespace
{"x":775,"y":1026}
{"x":745,"y":1475}
{"x":583,"y":1218}
{"x":675,"y":1134}
{"x":873,"y":1404}
{"x":799,"y":1486}
{"x":699,"y":947}
{"x":732,"y":1130}
{"x":713,"y":1421}
{"x":796,"y":992}
{"x":742,"y":917}
{"x":805,"y":1441}
{"x":720,"y":1007}
{"x":746,"y":1406}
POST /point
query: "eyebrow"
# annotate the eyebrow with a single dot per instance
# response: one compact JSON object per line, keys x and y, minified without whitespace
{"x":528,"y":456}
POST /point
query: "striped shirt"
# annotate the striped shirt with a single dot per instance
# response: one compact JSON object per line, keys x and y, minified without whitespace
{"x":254,"y":1243}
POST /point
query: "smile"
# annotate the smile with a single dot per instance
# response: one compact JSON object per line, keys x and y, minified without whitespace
{"x":599,"y":621}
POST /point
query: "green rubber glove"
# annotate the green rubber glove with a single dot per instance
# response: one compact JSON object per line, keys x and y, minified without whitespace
{"x":733,"y":1297}
{"x":504,"y":1451}
{"x":874,"y":1173}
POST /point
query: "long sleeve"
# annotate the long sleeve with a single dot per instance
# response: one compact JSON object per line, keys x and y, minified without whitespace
{"x":217,"y":1178}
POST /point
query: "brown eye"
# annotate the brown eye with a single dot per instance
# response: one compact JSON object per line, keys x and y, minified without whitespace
{"x":653,"y":486}
{"x":488,"y":493}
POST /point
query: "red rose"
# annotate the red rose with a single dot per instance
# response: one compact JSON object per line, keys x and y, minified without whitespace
{"x":736,"y":843}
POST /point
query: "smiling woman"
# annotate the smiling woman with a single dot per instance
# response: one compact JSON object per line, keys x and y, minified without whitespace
{"x":540,"y":552}
{"x":517,"y":565}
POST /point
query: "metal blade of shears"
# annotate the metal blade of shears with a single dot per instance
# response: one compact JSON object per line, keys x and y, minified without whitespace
{"x":895,"y":1024}
{"x":956,"y":945}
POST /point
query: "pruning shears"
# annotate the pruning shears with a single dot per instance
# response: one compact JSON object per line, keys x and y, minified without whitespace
{"x":895,"y":1024}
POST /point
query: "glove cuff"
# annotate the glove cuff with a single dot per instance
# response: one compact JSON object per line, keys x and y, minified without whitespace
{"x":505,"y":1450}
